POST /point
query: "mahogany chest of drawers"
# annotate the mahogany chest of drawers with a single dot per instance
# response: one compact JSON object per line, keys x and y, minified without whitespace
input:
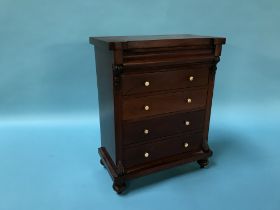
{"x":155,"y":95}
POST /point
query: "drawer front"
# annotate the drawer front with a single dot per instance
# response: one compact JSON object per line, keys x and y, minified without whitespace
{"x":134,"y":108}
{"x":149,"y":82}
{"x":150,"y":129}
{"x":184,"y":143}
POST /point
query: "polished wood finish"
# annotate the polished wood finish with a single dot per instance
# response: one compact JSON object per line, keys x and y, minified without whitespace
{"x":134,"y":107}
{"x":163,"y":80}
{"x":155,"y":96}
{"x":149,"y":129}
{"x":106,"y":99}
{"x":162,"y":147}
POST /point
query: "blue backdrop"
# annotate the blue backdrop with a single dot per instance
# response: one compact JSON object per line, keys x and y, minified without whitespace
{"x":49,"y":129}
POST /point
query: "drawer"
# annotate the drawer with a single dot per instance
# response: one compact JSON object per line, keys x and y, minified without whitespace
{"x":165,"y":80}
{"x":184,"y":143}
{"x":138,"y":107}
{"x":150,"y":129}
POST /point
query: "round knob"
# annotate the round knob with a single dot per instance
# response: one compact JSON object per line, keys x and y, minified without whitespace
{"x":186,"y":145}
{"x":187,"y":123}
{"x":189,"y":100}
{"x":191,"y":78}
{"x":146,"y":154}
{"x":147,"y":83}
{"x":147,"y":108}
{"x":146,"y":131}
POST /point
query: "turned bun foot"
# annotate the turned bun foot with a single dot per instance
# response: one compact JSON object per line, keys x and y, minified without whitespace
{"x":119,"y":187}
{"x":203,"y":163}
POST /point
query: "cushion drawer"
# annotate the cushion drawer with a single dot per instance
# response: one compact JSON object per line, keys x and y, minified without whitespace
{"x":150,"y":129}
{"x":164,"y":80}
{"x":137,"y":107}
{"x":183,"y":143}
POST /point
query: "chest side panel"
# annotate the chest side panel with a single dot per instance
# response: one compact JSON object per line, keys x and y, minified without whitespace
{"x":104,"y":60}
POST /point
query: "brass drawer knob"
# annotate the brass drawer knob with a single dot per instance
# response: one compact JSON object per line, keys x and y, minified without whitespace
{"x":187,"y":123}
{"x":146,"y":131}
{"x":147,"y":83}
{"x":146,"y":154}
{"x":191,"y":78}
{"x":189,"y":100}
{"x":147,"y":108}
{"x":186,"y":145}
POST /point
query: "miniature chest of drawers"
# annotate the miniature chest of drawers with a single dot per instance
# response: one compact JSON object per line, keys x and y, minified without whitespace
{"x":155,"y":95}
